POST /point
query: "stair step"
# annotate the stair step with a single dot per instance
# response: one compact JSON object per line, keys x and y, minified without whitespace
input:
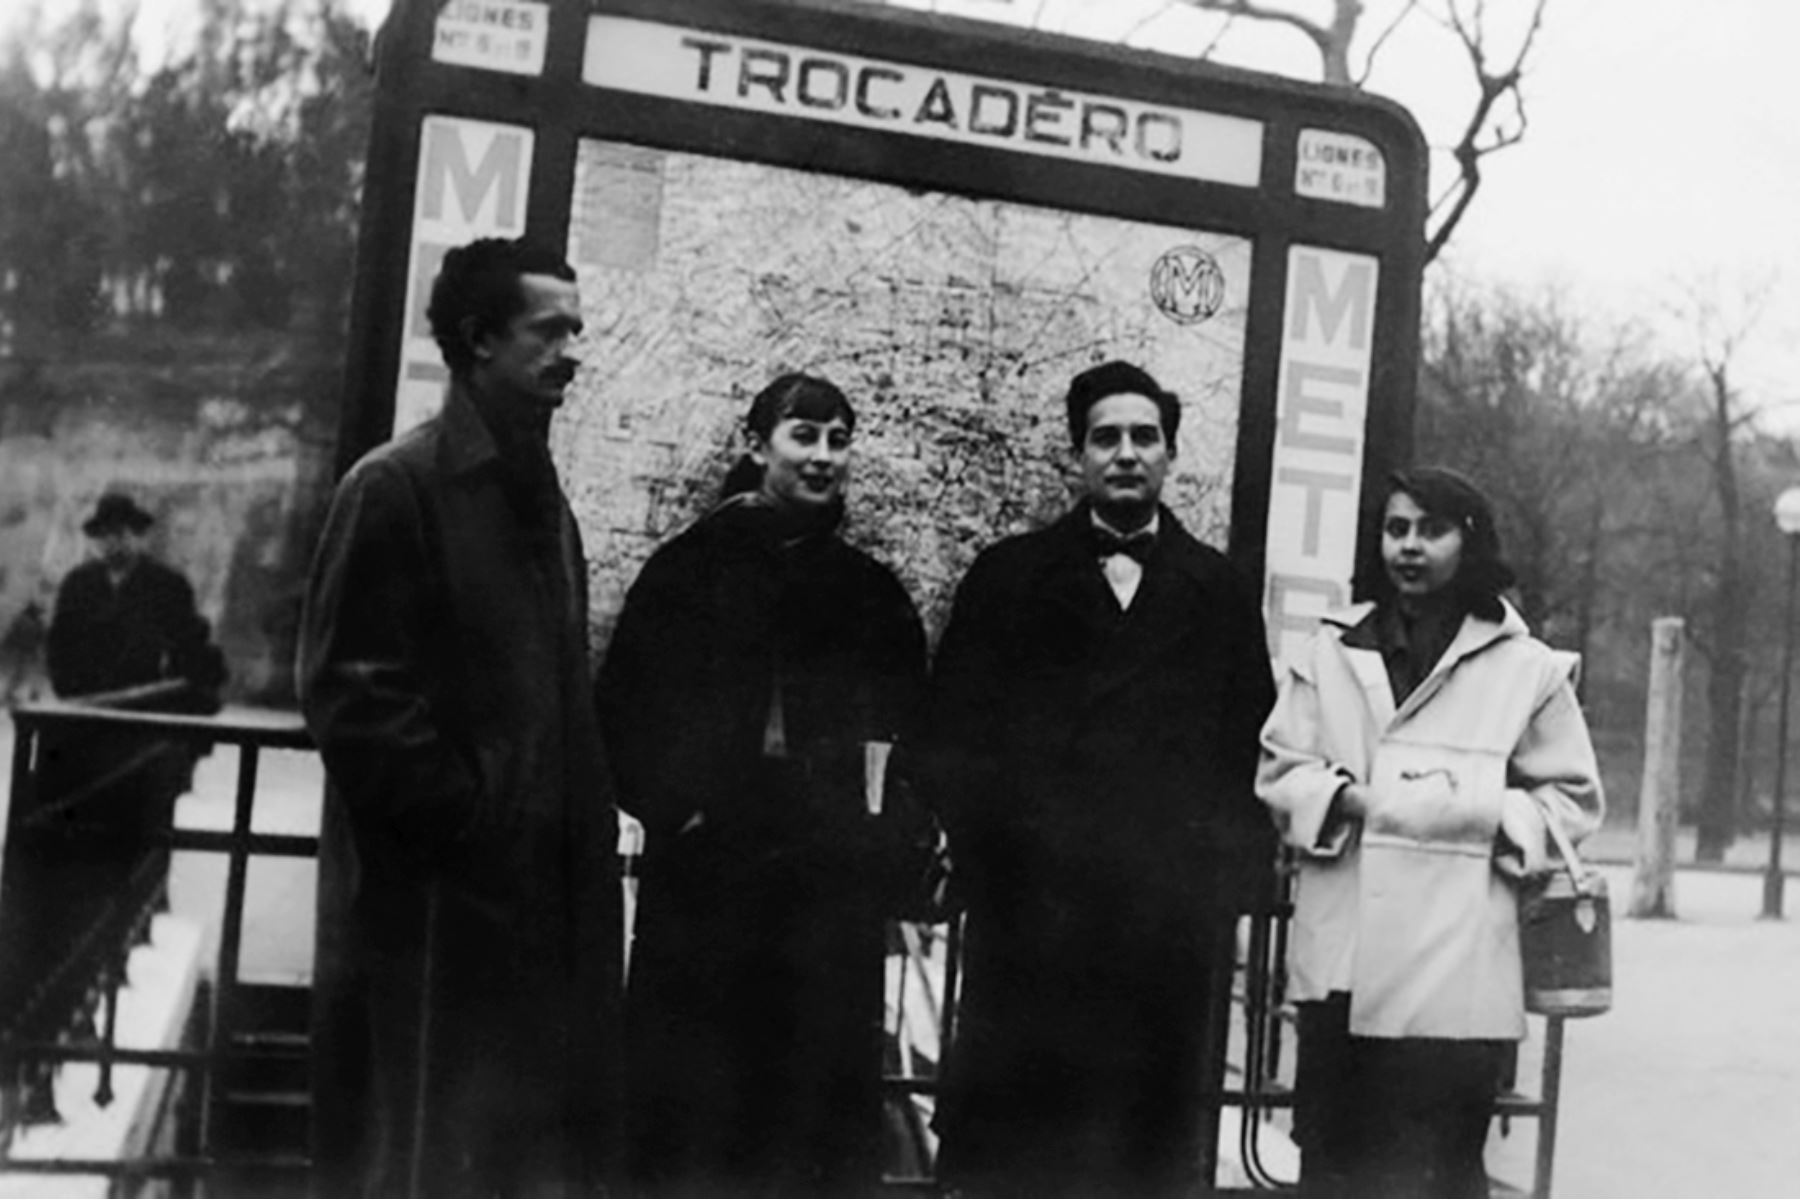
{"x":271,"y":1008}
{"x":268,"y":1098}
{"x":1512,"y":1103}
{"x":260,"y":1123}
{"x":265,"y":1063}
{"x":272,"y":1042}
{"x":274,"y":1176}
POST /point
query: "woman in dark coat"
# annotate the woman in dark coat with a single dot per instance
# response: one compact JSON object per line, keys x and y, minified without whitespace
{"x":756,"y":659}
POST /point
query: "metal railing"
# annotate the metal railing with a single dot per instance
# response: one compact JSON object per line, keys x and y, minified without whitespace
{"x":1269,"y":1024}
{"x":47,"y":1028}
{"x":68,"y":1012}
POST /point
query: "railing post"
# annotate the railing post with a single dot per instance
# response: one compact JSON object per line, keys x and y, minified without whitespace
{"x":25,"y":736}
{"x":953,"y":946}
{"x":1549,"y":1104}
{"x":231,"y":932}
{"x":40,"y":1095}
{"x":90,"y":961}
{"x":109,"y":990}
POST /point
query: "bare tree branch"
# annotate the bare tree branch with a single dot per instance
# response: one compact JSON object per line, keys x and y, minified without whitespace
{"x":1319,"y":35}
{"x":1497,"y":120}
{"x":1212,"y":47}
{"x":1368,"y":67}
{"x":1144,"y":22}
{"x":1492,"y":88}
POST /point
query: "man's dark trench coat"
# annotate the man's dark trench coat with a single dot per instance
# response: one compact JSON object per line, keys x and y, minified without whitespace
{"x":469,"y":951}
{"x":1094,"y":768}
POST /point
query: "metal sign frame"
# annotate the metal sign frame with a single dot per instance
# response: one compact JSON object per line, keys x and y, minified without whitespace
{"x":1279,"y":491}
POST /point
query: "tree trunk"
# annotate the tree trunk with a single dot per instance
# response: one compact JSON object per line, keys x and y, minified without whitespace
{"x":1590,"y":591}
{"x":1724,"y":696}
{"x":1725,"y":680}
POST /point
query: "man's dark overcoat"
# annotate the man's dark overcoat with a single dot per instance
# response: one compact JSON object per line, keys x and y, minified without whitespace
{"x":1095,"y":767}
{"x":107,"y":637}
{"x":144,"y":630}
{"x":469,"y":902}
{"x":754,"y":1007}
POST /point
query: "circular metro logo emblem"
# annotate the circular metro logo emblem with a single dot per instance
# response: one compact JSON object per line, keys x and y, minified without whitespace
{"x":1187,"y":285}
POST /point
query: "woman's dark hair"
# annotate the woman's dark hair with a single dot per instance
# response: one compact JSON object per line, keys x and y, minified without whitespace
{"x":1482,"y":577}
{"x":793,"y":395}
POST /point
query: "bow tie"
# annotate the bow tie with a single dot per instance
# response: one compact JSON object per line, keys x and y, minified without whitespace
{"x":1137,"y":546}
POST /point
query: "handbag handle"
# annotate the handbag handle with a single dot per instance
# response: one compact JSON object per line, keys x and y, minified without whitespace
{"x":1571,"y":860}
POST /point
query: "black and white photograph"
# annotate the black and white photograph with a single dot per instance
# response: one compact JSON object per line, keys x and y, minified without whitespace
{"x":844,"y":599}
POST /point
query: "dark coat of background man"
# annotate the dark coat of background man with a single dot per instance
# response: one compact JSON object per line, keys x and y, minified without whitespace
{"x":124,"y":620}
{"x":125,"y":623}
{"x":1097,"y":698}
{"x":125,"y":627}
{"x":469,"y":906}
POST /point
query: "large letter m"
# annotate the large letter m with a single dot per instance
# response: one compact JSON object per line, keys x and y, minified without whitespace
{"x":446,"y":170}
{"x":1354,"y":298}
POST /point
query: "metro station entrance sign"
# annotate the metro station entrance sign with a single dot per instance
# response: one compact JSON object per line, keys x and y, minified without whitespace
{"x":946,"y":218}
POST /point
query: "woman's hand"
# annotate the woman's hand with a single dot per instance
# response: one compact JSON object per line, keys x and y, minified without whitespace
{"x":1351,"y":802}
{"x":1349,"y":806}
{"x":1519,"y":843}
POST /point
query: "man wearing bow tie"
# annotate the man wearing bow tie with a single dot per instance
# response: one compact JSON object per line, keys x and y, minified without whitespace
{"x":1097,"y":699}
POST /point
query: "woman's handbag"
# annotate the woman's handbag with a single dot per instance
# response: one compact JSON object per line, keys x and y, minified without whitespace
{"x":1565,"y":934}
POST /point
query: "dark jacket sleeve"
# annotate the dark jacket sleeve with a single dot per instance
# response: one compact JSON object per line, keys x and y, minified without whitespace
{"x":69,"y":648}
{"x":958,"y":763}
{"x":187,"y":637}
{"x":643,"y":693}
{"x":1246,"y":832}
{"x":900,"y":666}
{"x":364,"y":669}
{"x":192,"y":654}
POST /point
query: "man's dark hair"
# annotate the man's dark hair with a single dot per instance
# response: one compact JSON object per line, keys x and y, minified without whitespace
{"x":479,"y":283}
{"x":1118,"y":378}
{"x":1482,"y":577}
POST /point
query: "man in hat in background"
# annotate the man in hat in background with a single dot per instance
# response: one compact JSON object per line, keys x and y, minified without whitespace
{"x":124,"y":620}
{"x":1097,"y":698}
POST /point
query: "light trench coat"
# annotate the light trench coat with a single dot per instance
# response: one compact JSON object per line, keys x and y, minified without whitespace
{"x":1414,"y":910}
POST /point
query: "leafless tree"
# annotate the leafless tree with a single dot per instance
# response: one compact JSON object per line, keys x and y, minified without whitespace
{"x":1348,"y":47}
{"x":1721,"y":325}
{"x":1495,"y":37}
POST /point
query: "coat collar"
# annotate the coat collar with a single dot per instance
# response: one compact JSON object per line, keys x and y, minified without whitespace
{"x":465,"y":443}
{"x":1072,"y":543}
{"x":1475,"y":636}
{"x":1160,"y":614}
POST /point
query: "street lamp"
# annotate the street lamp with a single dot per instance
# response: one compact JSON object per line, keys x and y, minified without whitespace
{"x":1787,"y":519}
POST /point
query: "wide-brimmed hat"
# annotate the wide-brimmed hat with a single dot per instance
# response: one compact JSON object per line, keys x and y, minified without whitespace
{"x":116,"y":511}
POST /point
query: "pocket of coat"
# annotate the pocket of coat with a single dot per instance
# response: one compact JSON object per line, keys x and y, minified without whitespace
{"x":1422,"y":933}
{"x":1434,"y":794}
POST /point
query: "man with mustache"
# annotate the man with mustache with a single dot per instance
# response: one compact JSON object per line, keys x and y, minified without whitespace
{"x":1097,"y":698}
{"x":469,"y":907}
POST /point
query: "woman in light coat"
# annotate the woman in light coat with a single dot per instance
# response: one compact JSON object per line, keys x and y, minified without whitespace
{"x":1417,"y":752}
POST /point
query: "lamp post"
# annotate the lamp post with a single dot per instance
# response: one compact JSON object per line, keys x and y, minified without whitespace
{"x":1787,"y":519}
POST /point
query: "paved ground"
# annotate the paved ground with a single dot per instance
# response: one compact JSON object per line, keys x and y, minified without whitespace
{"x":1689,"y":1087}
